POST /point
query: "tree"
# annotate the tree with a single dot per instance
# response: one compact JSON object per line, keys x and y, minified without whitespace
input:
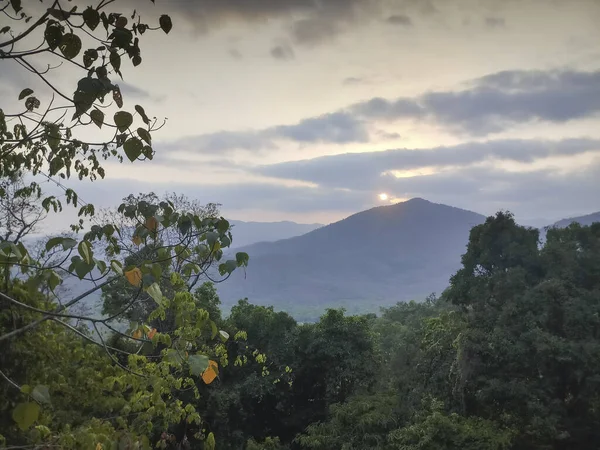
{"x":69,"y":135}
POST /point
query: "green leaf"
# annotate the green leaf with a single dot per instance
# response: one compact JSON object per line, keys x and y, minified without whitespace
{"x":123,"y":120}
{"x":136,"y":60}
{"x":116,"y":266}
{"x":173,"y":356}
{"x":53,"y":36}
{"x":85,"y":250}
{"x":211,"y":238}
{"x":91,"y":17}
{"x":41,"y":394}
{"x":228,"y":266}
{"x":70,"y":45}
{"x":242,"y":259}
{"x":133,"y":148}
{"x":154,"y":291}
{"x":24,"y":93}
{"x":97,"y":117}
{"x":198,"y":364}
{"x":53,"y":281}
{"x":25,"y":414}
{"x":165,"y":23}
{"x":67,"y":243}
{"x":143,"y":133}
{"x":224,"y":335}
{"x":214,"y":329}
{"x":142,"y":114}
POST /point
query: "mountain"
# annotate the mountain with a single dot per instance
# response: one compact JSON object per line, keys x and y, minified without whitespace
{"x":582,"y":220}
{"x":247,"y":233}
{"x":371,"y":259}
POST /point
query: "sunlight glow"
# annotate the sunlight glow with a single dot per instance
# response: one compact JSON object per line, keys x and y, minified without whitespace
{"x":383,"y":196}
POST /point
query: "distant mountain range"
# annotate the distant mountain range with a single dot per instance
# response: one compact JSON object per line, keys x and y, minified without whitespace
{"x":371,"y":259}
{"x":247,"y":233}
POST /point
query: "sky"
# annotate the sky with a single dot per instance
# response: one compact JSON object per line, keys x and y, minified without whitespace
{"x":308,"y":110}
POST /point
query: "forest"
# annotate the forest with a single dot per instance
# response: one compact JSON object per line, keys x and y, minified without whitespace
{"x":506,"y":357}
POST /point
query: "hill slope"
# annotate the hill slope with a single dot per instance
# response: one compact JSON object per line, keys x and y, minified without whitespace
{"x":374,"y":258}
{"x":582,"y":220}
{"x":247,"y":233}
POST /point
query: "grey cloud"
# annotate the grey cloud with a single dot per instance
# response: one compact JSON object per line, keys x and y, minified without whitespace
{"x":235,"y":53}
{"x":334,"y":128}
{"x":350,"y":81}
{"x":364,"y":170}
{"x":283,"y":52}
{"x":488,"y":105}
{"x":128,"y":90}
{"x":399,"y":19}
{"x":495,"y":22}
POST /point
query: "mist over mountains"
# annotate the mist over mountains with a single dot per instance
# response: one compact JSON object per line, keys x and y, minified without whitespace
{"x":374,"y":258}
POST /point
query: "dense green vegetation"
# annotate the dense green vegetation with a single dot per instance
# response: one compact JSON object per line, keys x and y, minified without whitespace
{"x":507,"y":357}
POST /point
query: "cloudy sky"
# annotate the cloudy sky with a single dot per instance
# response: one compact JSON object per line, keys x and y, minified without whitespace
{"x":306,"y":110}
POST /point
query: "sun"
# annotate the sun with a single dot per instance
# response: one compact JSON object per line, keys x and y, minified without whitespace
{"x":383,"y":197}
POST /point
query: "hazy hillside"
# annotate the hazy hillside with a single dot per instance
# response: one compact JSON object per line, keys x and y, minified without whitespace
{"x":247,"y":233}
{"x":582,"y":220}
{"x":373,"y":258}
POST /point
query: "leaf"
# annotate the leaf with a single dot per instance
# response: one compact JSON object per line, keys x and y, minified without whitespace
{"x":59,"y":14}
{"x":24,"y":93}
{"x":25,"y":414}
{"x":165,"y":23}
{"x":32,"y":103}
{"x":137,"y":240}
{"x":133,"y":148}
{"x":117,"y":267}
{"x":85,"y":250}
{"x":210,"y":373}
{"x":16,"y":4}
{"x":142,"y":114}
{"x":67,"y":243}
{"x":214,"y":329}
{"x":155,"y":292}
{"x":198,"y":364}
{"x":117,"y":97}
{"x":151,"y":333}
{"x":173,"y":356}
{"x":210,"y":443}
{"x":224,"y":335}
{"x":89,"y":56}
{"x":91,"y":17}
{"x":134,"y":276}
{"x":137,"y":334}
{"x":242,"y":259}
{"x":97,"y":117}
{"x":152,"y":224}
{"x":123,"y":120}
{"x":41,"y":394}
{"x":53,"y":36}
{"x":53,"y":281}
{"x":143,"y":133}
{"x":115,"y":60}
{"x":228,"y":267}
{"x":70,"y":45}
{"x":136,"y":60}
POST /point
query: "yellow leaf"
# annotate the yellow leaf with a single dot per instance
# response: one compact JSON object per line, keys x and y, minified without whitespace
{"x":134,"y":276}
{"x":99,"y":446}
{"x":137,"y":334}
{"x":137,"y":240}
{"x":152,"y":224}
{"x":151,"y":333}
{"x":210,"y":373}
